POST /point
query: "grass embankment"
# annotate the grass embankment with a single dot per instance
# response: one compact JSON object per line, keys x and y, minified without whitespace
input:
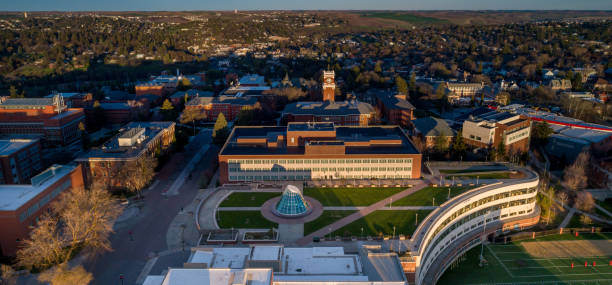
{"x":248,"y":199}
{"x":425,"y":196}
{"x":243,"y":220}
{"x":382,"y":223}
{"x":350,"y":196}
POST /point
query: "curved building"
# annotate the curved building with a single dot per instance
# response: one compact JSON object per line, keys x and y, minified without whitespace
{"x":462,"y":222}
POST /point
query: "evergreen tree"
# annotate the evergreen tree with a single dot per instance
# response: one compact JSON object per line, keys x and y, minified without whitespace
{"x":167,"y":110}
{"x":459,"y":146}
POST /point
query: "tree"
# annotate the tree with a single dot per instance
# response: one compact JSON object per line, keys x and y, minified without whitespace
{"x":575,"y":176}
{"x":500,"y":151}
{"x":584,"y":201}
{"x":441,"y":143}
{"x":412,"y":82}
{"x":184,"y":84}
{"x":402,"y":87}
{"x":562,"y":197}
{"x":459,"y":147}
{"x":13,"y":92}
{"x":502,"y":98}
{"x":546,"y":203}
{"x":540,"y":133}
{"x":220,"y":130}
{"x":191,"y":115}
{"x":78,"y":220}
{"x":377,"y":67}
{"x":8,"y":275}
{"x":135,"y":175}
{"x":167,"y":110}
{"x":63,"y":274}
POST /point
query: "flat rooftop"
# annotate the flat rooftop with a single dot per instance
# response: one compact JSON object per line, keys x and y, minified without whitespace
{"x":10,"y":146}
{"x":13,"y":197}
{"x":343,"y":134}
{"x":111,"y":150}
{"x":340,"y":108}
{"x":218,"y":276}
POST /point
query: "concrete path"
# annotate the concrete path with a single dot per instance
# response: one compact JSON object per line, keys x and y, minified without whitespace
{"x":603,"y":210}
{"x":180,"y":180}
{"x":567,"y":218}
{"x":362,"y":213}
{"x":288,"y":234}
{"x":348,"y":208}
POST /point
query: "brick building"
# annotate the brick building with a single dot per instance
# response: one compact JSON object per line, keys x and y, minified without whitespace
{"x":395,"y":108}
{"x":48,"y":118}
{"x":431,"y":129}
{"x":318,"y":151}
{"x":22,"y":205}
{"x":74,"y":99}
{"x":345,"y":113}
{"x":490,"y":129}
{"x":118,"y":112}
{"x":19,"y":160}
{"x":228,"y":105}
{"x":329,"y":86}
{"x":134,"y":140}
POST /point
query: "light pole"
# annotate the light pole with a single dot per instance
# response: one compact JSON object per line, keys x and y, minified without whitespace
{"x":433,"y":201}
{"x":390,"y":203}
{"x":477,"y":179}
{"x":448,"y":197}
{"x":183,"y":236}
{"x":392,"y":237}
{"x":416,"y":219}
{"x":362,"y":233}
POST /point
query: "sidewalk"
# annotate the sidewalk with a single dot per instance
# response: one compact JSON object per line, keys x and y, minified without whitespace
{"x":567,"y":218}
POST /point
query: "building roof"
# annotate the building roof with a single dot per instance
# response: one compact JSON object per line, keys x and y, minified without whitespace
{"x":10,"y":146}
{"x":111,"y":149}
{"x":66,"y":94}
{"x":192,"y":93}
{"x":243,"y":101}
{"x":13,"y":197}
{"x":431,"y":127}
{"x":344,"y":134}
{"x":393,"y":102}
{"x":114,"y":106}
{"x":327,"y":108}
{"x":252,"y":79}
{"x":19,"y":103}
{"x":216,"y":276}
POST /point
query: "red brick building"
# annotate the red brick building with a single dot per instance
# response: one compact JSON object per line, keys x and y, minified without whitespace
{"x":345,"y":113}
{"x":22,"y":205}
{"x":228,"y":105}
{"x":118,"y":112}
{"x":491,"y":129}
{"x":318,"y":151}
{"x":19,"y":160}
{"x":395,"y":108}
{"x":49,"y":118}
{"x":329,"y":86}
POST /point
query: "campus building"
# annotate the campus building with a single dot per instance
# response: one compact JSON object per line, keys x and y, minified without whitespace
{"x":48,"y":118}
{"x":19,"y":160}
{"x":22,"y":205}
{"x":395,"y":108}
{"x":344,"y":113}
{"x":491,"y":129}
{"x":74,"y":99}
{"x":134,"y":140}
{"x":230,"y":106}
{"x":279,"y":265}
{"x":315,"y":151}
{"x":464,"y":221}
{"x":329,"y":86}
{"x":433,"y":130}
{"x":463,"y":89}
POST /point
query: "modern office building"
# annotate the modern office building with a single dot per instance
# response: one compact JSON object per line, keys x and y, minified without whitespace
{"x":19,"y":160}
{"x":316,"y":151}
{"x":230,"y":106}
{"x":48,"y":118}
{"x":464,"y":221}
{"x":133,"y":141}
{"x":491,"y":129}
{"x":22,"y":205}
{"x":342,"y":113}
{"x":278,"y":265}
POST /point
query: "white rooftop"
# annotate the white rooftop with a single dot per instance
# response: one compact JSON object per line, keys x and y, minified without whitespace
{"x":230,"y":257}
{"x":218,"y":276}
{"x":252,"y":79}
{"x":320,"y":261}
{"x":154,"y":280}
{"x":12,"y":197}
{"x":271,"y":252}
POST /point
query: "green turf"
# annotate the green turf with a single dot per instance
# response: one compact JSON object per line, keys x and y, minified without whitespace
{"x":576,"y":222}
{"x":325,"y":219}
{"x":243,"y":219}
{"x":424,"y":196}
{"x":248,"y":199}
{"x":382,"y":222}
{"x":350,"y":196}
{"x":455,"y":171}
{"x":518,"y":266}
{"x":404,"y":17}
{"x":607,"y":204}
{"x":570,"y":236}
{"x":492,"y":175}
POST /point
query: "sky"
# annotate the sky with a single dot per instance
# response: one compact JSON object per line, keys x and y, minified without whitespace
{"x":184,"y":5}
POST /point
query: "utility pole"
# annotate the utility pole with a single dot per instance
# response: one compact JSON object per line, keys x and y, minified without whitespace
{"x":416,"y":219}
{"x":448,"y":198}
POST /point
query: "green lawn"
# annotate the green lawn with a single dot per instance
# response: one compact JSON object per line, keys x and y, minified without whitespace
{"x":382,"y":222}
{"x":404,"y":17}
{"x":492,"y":175}
{"x":607,"y":204}
{"x":424,"y":196}
{"x":350,"y":196}
{"x":576,"y":222}
{"x":570,"y":236}
{"x":243,"y":219}
{"x":248,"y":199}
{"x":325,"y":219}
{"x":468,"y":170}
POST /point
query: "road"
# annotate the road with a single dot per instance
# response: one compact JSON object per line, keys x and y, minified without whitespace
{"x":150,"y":226}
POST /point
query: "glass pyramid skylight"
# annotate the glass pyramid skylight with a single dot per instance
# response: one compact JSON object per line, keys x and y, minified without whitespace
{"x":292,"y":203}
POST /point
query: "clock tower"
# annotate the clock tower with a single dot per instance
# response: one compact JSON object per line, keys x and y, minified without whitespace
{"x":329,"y":86}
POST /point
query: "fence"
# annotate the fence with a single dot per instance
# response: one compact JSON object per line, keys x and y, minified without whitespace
{"x":533,"y":235}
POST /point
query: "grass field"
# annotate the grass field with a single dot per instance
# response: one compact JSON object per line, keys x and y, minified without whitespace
{"x":243,"y":219}
{"x":468,"y":170}
{"x":546,"y":259}
{"x":248,"y":199}
{"x":382,"y":222}
{"x":410,"y":18}
{"x":424,"y":196}
{"x":350,"y":196}
{"x":492,"y":175}
{"x":325,"y":219}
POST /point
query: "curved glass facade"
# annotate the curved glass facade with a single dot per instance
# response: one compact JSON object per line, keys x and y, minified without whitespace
{"x":292,"y":203}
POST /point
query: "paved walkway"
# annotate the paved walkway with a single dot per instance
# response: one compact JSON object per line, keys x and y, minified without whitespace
{"x":603,"y":210}
{"x":362,"y":213}
{"x":567,"y":218}
{"x":180,"y":180}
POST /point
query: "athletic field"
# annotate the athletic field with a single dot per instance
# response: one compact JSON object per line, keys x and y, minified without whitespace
{"x":543,"y":261}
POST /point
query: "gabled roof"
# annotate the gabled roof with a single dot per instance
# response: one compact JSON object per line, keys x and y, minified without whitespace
{"x":392,"y":101}
{"x":329,"y":108}
{"x":431,"y":127}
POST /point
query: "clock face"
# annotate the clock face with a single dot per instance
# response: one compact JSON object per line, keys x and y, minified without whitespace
{"x":328,"y":80}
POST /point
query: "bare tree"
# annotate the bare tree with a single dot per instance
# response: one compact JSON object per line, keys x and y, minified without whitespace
{"x":79,"y":220}
{"x":562,"y":196}
{"x":574,"y":175}
{"x":137,"y":174}
{"x":63,"y":274}
{"x":8,"y":276}
{"x":584,"y":201}
{"x":191,"y":115}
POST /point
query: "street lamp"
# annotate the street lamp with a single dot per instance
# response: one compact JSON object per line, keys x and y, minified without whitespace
{"x":447,"y":198}
{"x":416,"y":219}
{"x":433,"y":201}
{"x":362,"y":233}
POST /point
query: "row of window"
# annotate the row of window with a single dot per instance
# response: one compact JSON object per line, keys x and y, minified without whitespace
{"x":44,"y":200}
{"x":309,"y":177}
{"x":317,"y":161}
{"x":320,"y":169}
